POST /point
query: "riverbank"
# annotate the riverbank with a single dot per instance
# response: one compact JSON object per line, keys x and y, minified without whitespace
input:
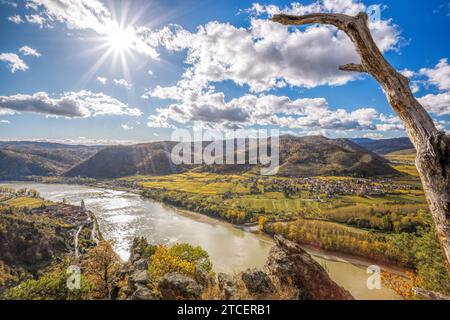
{"x":122,"y":216}
{"x":314,"y":251}
{"x":253,"y":228}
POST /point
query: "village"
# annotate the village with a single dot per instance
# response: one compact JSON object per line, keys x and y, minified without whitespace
{"x":80,"y":223}
{"x":336,"y":187}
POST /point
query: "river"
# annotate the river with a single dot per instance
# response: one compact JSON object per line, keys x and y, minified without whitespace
{"x":123,"y":215}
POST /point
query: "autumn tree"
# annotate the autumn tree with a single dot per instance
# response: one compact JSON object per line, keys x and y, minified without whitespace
{"x":101,"y":266}
{"x":432,"y":145}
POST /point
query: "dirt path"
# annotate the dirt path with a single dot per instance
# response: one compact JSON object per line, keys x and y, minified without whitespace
{"x":77,"y":251}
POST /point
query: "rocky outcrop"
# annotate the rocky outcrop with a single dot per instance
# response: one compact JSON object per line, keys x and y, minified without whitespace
{"x":292,"y":265}
{"x":143,"y":293}
{"x":203,"y":278}
{"x":228,"y":287}
{"x":175,"y":286}
{"x":258,"y":283}
{"x":289,"y":269}
{"x":135,"y":273}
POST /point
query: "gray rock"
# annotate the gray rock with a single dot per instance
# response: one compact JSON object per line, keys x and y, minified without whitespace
{"x":228,"y":287}
{"x":139,"y":277}
{"x":142,"y":293}
{"x":136,"y":257}
{"x":258,"y":283}
{"x":293,"y":266}
{"x":141,"y":264}
{"x":175,"y":286}
{"x":203,"y":277}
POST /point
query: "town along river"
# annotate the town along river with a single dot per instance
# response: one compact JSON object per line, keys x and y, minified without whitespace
{"x":123,"y":215}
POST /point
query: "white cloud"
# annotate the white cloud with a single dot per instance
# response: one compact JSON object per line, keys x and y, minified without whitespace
{"x":407,"y":73}
{"x":28,"y":51}
{"x":389,"y":123}
{"x":5,"y":122}
{"x":126,"y":127}
{"x":102,"y":80}
{"x":70,"y":104}
{"x":147,"y":94}
{"x":268,"y":55}
{"x":150,"y":72}
{"x":16,"y":19}
{"x":438,"y":104}
{"x":373,"y":135}
{"x":15,"y":63}
{"x":9,"y":3}
{"x":122,"y":83}
{"x":263,"y":56}
{"x":6,"y":112}
{"x":88,"y":14}
{"x":250,"y":110}
{"x":35,"y":19}
{"x":349,"y":7}
{"x":439,"y":75}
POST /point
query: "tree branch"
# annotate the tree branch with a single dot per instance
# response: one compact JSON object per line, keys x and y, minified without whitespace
{"x":337,"y":20}
{"x":352,"y":67}
{"x":433,"y":148}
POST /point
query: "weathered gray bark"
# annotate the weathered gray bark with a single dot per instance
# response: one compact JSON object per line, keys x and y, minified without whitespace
{"x":432,"y":145}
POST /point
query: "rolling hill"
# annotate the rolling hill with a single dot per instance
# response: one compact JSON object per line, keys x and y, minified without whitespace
{"x":299,"y":156}
{"x":21,"y":159}
{"x":119,"y":161}
{"x":384,"y":146}
{"x":317,"y":155}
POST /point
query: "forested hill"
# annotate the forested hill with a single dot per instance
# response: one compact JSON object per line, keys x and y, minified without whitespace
{"x":299,"y":156}
{"x":23,"y":158}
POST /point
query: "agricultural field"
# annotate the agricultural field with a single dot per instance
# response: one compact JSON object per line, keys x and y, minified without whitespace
{"x":24,"y":198}
{"x":337,"y":199}
{"x":403,"y":161}
{"x":22,"y":202}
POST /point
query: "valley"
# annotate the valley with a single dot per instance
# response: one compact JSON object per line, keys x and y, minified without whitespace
{"x":122,"y":216}
{"x":331,"y":196}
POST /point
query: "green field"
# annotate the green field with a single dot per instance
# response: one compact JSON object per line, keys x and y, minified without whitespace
{"x":257,"y":196}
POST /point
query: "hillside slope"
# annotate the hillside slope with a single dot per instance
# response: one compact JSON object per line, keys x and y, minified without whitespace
{"x":317,"y":155}
{"x":385,"y":146}
{"x":299,"y":156}
{"x":21,"y":159}
{"x":120,"y":161}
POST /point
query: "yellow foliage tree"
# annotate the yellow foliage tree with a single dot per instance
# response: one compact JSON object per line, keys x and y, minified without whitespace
{"x":100,"y":267}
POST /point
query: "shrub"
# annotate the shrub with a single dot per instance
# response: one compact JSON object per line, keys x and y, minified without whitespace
{"x":52,"y":285}
{"x":182,"y":258}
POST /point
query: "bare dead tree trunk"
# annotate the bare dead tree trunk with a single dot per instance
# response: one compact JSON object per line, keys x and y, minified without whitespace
{"x":432,"y":145}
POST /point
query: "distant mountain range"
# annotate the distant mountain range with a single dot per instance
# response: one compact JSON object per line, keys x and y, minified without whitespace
{"x":385,"y":146}
{"x":299,"y":156}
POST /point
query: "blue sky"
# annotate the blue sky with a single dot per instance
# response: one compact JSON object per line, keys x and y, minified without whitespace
{"x":68,"y":71}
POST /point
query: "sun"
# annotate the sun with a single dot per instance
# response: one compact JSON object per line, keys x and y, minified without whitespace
{"x":119,"y":39}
